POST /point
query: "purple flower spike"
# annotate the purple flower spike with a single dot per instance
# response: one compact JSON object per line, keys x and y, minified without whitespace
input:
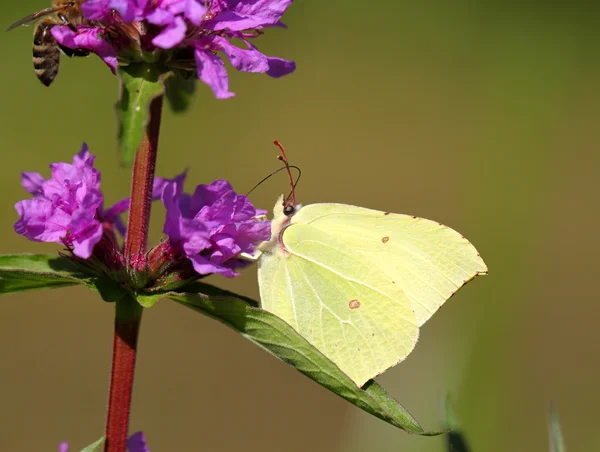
{"x":65,"y":207}
{"x":68,"y":207}
{"x":189,"y":35}
{"x":213,"y":226}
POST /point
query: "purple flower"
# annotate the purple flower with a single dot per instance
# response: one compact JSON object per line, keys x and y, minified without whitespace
{"x":212,"y":226}
{"x":193,"y":35}
{"x":135,"y":443}
{"x":65,"y":208}
{"x":68,"y":207}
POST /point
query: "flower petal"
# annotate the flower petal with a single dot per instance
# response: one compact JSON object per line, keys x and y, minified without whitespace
{"x":250,"y":60}
{"x":84,"y":243}
{"x":86,"y":38}
{"x":171,"y":35}
{"x":203,"y":266}
{"x":137,"y":443}
{"x":160,"y":183}
{"x":279,"y":67}
{"x":211,"y":70}
{"x":170,"y":199}
{"x":208,"y":194}
{"x":194,"y":11}
{"x":249,"y":14}
{"x":32,"y":182}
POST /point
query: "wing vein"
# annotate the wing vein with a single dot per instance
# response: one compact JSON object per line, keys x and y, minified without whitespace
{"x":354,"y":280}
{"x":293,"y":299}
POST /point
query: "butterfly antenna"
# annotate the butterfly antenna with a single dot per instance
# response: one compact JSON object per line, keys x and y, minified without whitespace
{"x":291,"y":199}
{"x":272,"y":174}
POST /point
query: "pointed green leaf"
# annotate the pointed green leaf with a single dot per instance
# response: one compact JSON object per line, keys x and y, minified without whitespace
{"x":281,"y":340}
{"x":97,"y":446}
{"x":148,"y":300}
{"x":21,"y":272}
{"x":180,"y":91}
{"x":140,"y":83}
{"x":455,"y":439}
{"x":557,"y":443}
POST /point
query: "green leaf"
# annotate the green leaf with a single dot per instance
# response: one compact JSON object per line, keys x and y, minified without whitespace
{"x":180,"y":91}
{"x":455,"y":439}
{"x":140,"y":84}
{"x":97,"y":446}
{"x":557,"y":443}
{"x":281,"y":340}
{"x":148,"y":300}
{"x":21,"y":272}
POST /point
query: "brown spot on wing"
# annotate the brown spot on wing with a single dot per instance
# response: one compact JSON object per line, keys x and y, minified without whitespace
{"x":385,"y":239}
{"x":354,"y":304}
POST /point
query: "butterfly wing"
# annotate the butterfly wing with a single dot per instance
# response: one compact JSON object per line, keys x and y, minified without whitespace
{"x":348,"y":310}
{"x":427,"y":260}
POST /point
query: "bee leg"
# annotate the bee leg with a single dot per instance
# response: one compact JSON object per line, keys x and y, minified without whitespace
{"x":74,"y":52}
{"x":66,"y":22}
{"x":67,"y":50}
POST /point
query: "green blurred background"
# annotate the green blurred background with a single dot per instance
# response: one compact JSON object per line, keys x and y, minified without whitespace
{"x":480,"y":114}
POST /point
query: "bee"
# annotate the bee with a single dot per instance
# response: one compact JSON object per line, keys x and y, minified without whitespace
{"x":46,"y":51}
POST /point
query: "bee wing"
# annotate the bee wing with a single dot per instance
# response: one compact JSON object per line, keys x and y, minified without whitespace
{"x":35,"y":16}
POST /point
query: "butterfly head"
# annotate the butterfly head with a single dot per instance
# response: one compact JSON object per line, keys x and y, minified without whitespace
{"x":285,"y":208}
{"x":283,"y":211}
{"x":282,"y":215}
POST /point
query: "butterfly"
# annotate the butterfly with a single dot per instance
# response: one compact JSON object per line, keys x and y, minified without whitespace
{"x":358,"y":283}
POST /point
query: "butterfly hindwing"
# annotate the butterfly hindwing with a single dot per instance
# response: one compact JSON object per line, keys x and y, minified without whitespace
{"x":346,"y":308}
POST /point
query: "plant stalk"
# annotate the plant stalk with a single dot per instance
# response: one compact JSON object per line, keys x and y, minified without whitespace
{"x":127,"y":327}
{"x":128,"y":312}
{"x":141,"y":189}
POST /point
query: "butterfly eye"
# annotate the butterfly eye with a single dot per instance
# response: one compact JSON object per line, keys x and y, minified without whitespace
{"x":288,"y":210}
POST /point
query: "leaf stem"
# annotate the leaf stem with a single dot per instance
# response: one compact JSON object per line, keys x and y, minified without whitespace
{"x":127,"y":326}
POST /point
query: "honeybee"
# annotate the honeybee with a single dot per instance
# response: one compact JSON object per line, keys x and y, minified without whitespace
{"x":46,"y":51}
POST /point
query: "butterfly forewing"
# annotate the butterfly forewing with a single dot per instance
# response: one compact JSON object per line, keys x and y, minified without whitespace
{"x":427,"y":260}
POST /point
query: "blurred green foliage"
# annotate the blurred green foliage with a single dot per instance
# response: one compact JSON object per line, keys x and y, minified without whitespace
{"x":479,"y":114}
{"x":557,"y":443}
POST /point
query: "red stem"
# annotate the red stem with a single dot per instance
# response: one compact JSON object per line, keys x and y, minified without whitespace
{"x":128,"y":311}
{"x":141,"y":189}
{"x":127,"y":326}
